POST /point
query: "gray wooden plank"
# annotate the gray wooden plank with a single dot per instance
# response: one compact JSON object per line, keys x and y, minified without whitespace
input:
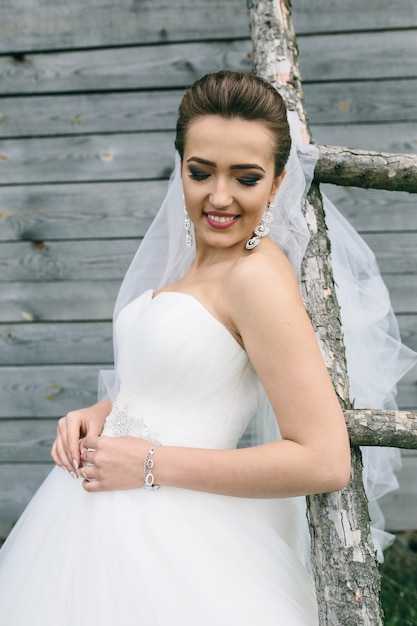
{"x":370,"y":210}
{"x":109,"y":259}
{"x":72,"y":114}
{"x":52,"y":391}
{"x":48,"y":391}
{"x":56,"y":343}
{"x":140,"y":67}
{"x":41,"y":392}
{"x":87,"y":158}
{"x":56,"y":24}
{"x":325,"y":58}
{"x":26,"y":441}
{"x":18,"y":483}
{"x":91,"y":342}
{"x":407,"y":391}
{"x":322,"y":59}
{"x":66,"y":260}
{"x":323,"y":16}
{"x":372,"y":101}
{"x":408,"y":329}
{"x":78,"y":211}
{"x":406,"y":399}
{"x":77,"y":114}
{"x":54,"y":301}
{"x":150,"y":155}
{"x":401,"y":137}
{"x":402,"y":292}
{"x":400,"y":507}
{"x":396,"y":253}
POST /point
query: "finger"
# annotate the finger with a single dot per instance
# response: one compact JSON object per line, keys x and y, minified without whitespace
{"x":58,"y":452}
{"x":88,"y":455}
{"x":92,"y":486}
{"x":88,"y":473}
{"x":90,"y":442}
{"x":56,"y":455}
{"x":88,"y":448}
{"x":63,"y":444}
{"x":72,"y":443}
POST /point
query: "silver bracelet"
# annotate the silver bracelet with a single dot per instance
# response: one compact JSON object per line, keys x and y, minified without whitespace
{"x":148,"y":477}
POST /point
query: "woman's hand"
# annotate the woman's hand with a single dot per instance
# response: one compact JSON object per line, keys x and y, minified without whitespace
{"x":113,"y":463}
{"x":84,"y":422}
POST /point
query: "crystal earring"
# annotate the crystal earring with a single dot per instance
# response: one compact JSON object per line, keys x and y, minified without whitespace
{"x":262,"y":229}
{"x":188,"y":233}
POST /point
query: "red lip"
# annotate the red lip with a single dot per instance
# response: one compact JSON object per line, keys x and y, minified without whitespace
{"x":221,"y":225}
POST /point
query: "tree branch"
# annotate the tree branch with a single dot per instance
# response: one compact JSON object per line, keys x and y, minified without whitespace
{"x":365,"y":168}
{"x":396,"y":429}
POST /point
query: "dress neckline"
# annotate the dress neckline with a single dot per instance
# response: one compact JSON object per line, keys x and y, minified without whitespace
{"x":202,"y":307}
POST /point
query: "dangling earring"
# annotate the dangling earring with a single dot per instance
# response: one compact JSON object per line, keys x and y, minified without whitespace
{"x":188,"y":233}
{"x":262,"y":229}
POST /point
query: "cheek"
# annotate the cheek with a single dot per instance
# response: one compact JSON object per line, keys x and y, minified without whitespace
{"x":261,"y":200}
{"x":192,"y":197}
{"x":189,"y":192}
{"x":186,"y":188}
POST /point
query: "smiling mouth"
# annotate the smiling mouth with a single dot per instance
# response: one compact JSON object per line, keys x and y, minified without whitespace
{"x":221,"y":221}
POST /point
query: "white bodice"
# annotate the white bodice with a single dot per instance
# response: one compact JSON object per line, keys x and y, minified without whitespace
{"x":184,"y":379}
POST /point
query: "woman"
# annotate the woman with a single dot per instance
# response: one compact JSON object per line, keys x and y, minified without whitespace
{"x":166,"y":521}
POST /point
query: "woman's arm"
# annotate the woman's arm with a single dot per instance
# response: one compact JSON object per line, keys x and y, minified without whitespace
{"x":314,"y":454}
{"x":263,"y":300}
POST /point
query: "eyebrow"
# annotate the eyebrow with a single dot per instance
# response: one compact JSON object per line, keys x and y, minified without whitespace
{"x":238,"y":166}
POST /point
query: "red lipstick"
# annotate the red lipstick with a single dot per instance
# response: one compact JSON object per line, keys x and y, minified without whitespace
{"x":217,"y":219}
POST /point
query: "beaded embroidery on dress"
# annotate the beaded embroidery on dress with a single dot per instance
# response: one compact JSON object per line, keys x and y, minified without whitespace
{"x":121,"y":423}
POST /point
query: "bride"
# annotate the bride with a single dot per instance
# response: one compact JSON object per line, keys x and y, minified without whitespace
{"x":153,"y":515}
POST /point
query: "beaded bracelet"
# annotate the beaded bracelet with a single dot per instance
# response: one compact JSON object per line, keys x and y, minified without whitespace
{"x":148,"y":477}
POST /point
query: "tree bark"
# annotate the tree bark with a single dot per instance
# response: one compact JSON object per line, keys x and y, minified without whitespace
{"x":397,"y":429}
{"x":361,"y":168}
{"x":343,"y":556}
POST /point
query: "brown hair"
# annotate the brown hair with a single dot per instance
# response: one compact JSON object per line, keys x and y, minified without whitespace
{"x":236,"y":94}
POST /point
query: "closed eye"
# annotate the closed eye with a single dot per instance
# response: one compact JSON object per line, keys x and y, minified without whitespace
{"x":249,"y":181}
{"x":196,"y":174}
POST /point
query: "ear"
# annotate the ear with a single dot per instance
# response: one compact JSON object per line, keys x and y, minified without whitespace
{"x":276,"y":185}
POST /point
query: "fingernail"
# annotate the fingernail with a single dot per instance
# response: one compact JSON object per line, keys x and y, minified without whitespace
{"x":75,"y":464}
{"x":74,"y":475}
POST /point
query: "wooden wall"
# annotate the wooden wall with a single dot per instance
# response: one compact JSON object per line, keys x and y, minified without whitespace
{"x":88,"y":99}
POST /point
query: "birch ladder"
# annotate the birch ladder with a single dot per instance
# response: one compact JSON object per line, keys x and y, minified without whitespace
{"x":342,"y":552}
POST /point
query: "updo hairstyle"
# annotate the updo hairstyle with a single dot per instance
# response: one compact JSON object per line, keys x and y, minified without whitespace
{"x":233,"y":94}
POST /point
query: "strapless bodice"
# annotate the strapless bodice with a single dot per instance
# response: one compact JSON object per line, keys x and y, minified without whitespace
{"x":184,"y":379}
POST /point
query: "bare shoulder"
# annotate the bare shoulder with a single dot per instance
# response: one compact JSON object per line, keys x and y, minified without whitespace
{"x":265,"y":276}
{"x":260,"y":294}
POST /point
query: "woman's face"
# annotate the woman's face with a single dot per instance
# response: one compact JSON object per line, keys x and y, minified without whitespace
{"x":228,"y":178}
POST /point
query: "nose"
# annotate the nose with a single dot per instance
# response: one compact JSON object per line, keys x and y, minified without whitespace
{"x":220,"y":196}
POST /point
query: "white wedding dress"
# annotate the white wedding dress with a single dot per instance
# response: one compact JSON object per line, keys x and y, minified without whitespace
{"x":172,"y":557}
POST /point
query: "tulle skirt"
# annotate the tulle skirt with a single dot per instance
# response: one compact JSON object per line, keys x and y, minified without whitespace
{"x":163,"y":558}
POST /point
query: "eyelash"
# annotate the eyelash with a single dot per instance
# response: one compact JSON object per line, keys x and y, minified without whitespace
{"x":197,"y":175}
{"x":250,"y":181}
